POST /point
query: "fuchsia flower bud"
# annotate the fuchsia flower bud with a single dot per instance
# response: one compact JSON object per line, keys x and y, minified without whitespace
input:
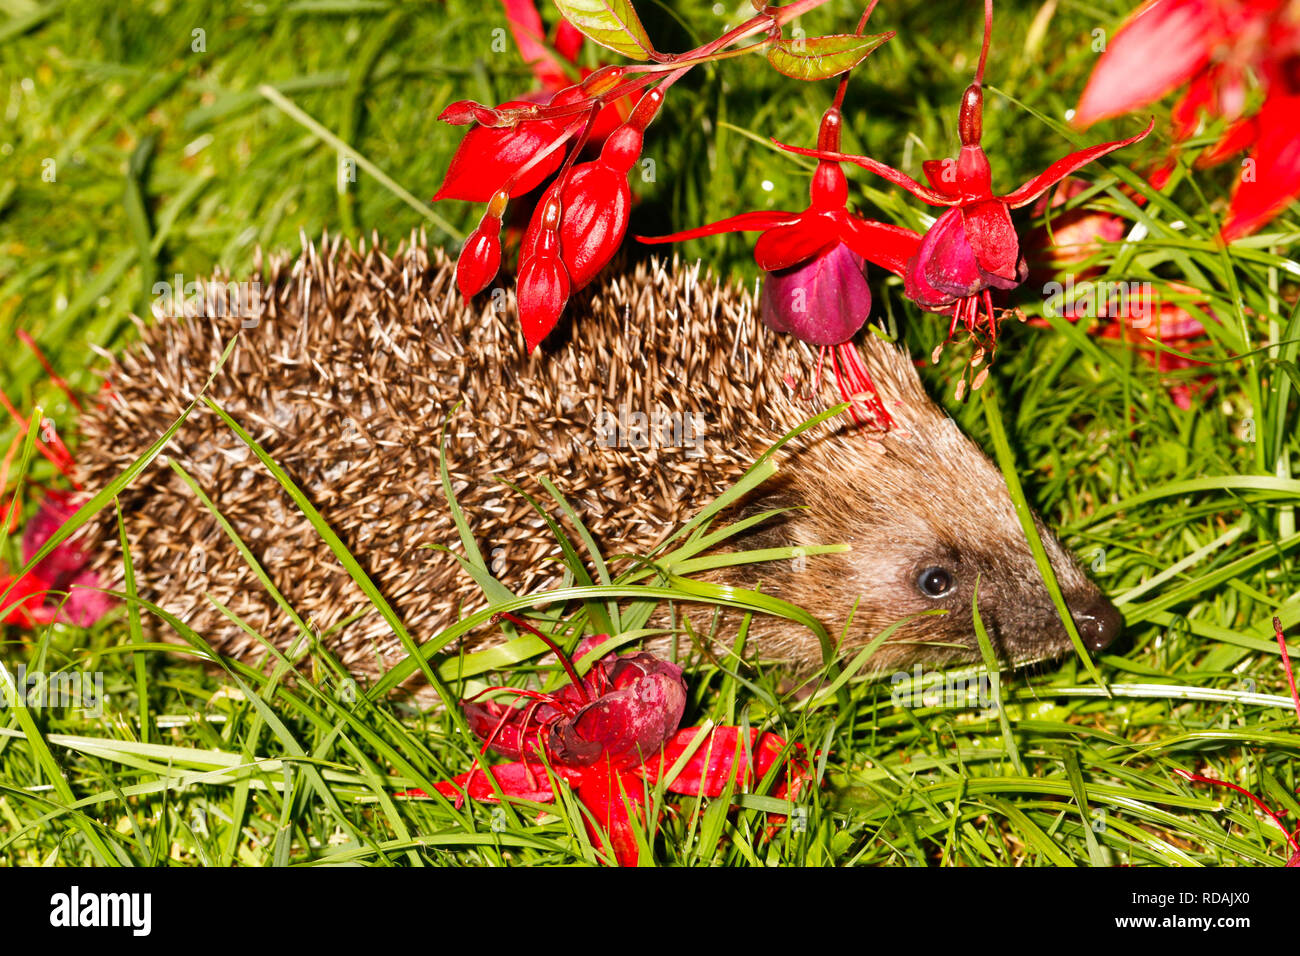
{"x":579,"y":225}
{"x":544,"y":285}
{"x":480,"y":258}
{"x":464,"y":112}
{"x":597,"y":204}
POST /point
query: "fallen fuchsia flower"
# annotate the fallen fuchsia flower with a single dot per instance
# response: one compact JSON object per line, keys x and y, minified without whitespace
{"x":37,"y":597}
{"x":610,"y":735}
{"x":1214,"y":47}
{"x":816,"y":288}
{"x":1169,"y":326}
{"x":1157,"y":329}
{"x":973,"y":247}
{"x":1290,"y":834}
{"x":1071,"y":236}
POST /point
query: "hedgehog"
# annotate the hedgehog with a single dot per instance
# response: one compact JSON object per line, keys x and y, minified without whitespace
{"x":358,"y":370}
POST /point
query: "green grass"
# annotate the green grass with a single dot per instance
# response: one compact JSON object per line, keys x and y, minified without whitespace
{"x":168,"y":160}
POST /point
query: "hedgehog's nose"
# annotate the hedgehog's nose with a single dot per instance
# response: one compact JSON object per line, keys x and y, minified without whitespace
{"x":1099,"y":623}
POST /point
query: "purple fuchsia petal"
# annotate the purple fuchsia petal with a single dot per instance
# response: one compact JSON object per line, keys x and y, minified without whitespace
{"x":945,"y":263}
{"x":86,"y":603}
{"x":822,"y":302}
{"x":993,"y":240}
{"x":1158,"y":49}
{"x":66,"y":559}
{"x":629,"y":724}
{"x":503,"y":727}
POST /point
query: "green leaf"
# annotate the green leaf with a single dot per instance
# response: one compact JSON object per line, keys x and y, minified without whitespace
{"x":611,"y":23}
{"x":820,"y":58}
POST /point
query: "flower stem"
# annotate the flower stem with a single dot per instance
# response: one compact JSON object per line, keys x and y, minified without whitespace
{"x":988,"y":35}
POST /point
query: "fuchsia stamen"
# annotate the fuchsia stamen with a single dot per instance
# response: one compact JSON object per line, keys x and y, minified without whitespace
{"x":856,"y":387}
{"x":555,"y":648}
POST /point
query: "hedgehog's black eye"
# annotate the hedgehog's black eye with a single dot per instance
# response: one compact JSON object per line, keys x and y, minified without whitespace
{"x":934,"y":582}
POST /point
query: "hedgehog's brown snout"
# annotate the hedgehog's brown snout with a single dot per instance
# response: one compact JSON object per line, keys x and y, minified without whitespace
{"x":1099,"y":623}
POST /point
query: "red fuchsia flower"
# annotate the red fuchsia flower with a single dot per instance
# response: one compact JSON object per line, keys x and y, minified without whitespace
{"x":37,"y":597}
{"x":579,"y":225}
{"x":816,"y":286}
{"x":1071,"y":236}
{"x":1289,"y":832}
{"x":1166,"y":330}
{"x":581,"y":220}
{"x":611,"y":736}
{"x":1213,"y":47}
{"x":1158,"y":329}
{"x":973,"y":246}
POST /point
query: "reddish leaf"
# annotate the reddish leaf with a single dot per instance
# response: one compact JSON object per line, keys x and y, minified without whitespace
{"x":820,"y":58}
{"x":611,"y":23}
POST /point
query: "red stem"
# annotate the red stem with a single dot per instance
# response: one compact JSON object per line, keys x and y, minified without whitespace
{"x":988,"y":35}
{"x":1286,"y":663}
{"x":844,"y":80}
{"x":49,"y":369}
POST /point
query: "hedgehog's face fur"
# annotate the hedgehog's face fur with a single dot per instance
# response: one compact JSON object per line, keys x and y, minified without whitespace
{"x":929,"y":524}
